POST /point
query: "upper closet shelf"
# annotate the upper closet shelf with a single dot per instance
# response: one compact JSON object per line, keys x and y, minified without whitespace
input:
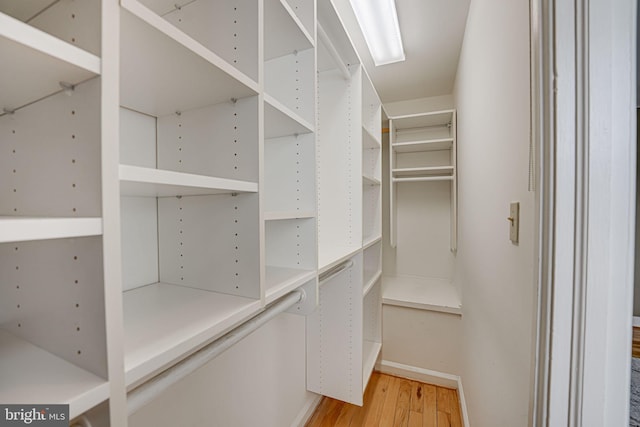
{"x":163,"y":70}
{"x":282,"y":121}
{"x":164,"y":322}
{"x":421,"y":120}
{"x":31,"y":374}
{"x":280,"y":280}
{"x":420,"y":146}
{"x":368,"y":140}
{"x":285,"y":215}
{"x":284,"y":33}
{"x":434,"y":171}
{"x":21,"y":229}
{"x":140,"y":181}
{"x":35,"y":63}
{"x":421,"y":293}
{"x":370,"y":180}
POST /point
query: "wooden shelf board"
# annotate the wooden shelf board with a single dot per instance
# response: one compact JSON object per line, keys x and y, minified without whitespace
{"x":421,"y":293}
{"x":141,"y":181}
{"x":421,"y":146}
{"x":370,"y":180}
{"x":284,"y":33}
{"x":22,"y":229}
{"x":281,"y":121}
{"x":164,"y":322}
{"x":369,"y":141}
{"x":285,"y":215}
{"x":370,"y":352}
{"x":31,"y":374}
{"x":370,"y":282}
{"x":36,"y":62}
{"x":411,"y":121}
{"x":280,"y":281}
{"x":163,"y":70}
{"x":334,"y":255}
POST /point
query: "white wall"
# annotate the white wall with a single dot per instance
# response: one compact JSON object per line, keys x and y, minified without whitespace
{"x":258,"y":382}
{"x":496,"y":276}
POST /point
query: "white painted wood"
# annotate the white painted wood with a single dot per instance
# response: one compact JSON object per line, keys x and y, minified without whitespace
{"x":423,"y":171}
{"x":369,"y":140}
{"x":139,"y":237}
{"x":50,"y":156}
{"x":151,"y":82}
{"x":305,"y":12}
{"x":39,"y":63}
{"x":291,"y":243}
{"x":26,"y":368}
{"x":137,"y":139}
{"x":335,"y":255}
{"x":284,"y":33}
{"x":427,"y":145}
{"x":368,"y":180}
{"x":23,"y":10}
{"x":421,"y":293}
{"x":21,"y":229}
{"x":219,"y":140}
{"x":281,"y":280}
{"x":371,"y":162}
{"x":53,"y":296}
{"x":371,"y":108}
{"x":307,"y":411}
{"x":371,"y":351}
{"x":284,"y":215}
{"x":372,"y":265}
{"x":164,"y":322}
{"x":289,"y":79}
{"x":281,"y":121}
{"x":334,"y":344}
{"x":428,"y":376}
{"x":139,"y":181}
{"x":371,"y":282}
{"x":423,"y":119}
{"x":289,"y":174}
{"x":371,"y":241}
{"x":226,"y":29}
{"x":210,"y":243}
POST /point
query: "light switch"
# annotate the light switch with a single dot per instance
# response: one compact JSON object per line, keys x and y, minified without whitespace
{"x":514,"y":221}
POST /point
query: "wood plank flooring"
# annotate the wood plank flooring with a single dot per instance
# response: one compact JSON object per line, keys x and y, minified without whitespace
{"x":393,"y":402}
{"x":635,"y":347}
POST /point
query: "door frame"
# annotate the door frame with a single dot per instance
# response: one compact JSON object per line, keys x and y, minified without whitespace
{"x":583,"y":124}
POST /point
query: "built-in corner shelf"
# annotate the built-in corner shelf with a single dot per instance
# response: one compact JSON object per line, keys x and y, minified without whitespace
{"x":35,"y":63}
{"x":282,"y":121}
{"x":284,"y":215}
{"x":22,"y":229}
{"x":418,"y":146}
{"x":281,"y":280}
{"x":163,"y":322}
{"x":421,"y":293}
{"x":31,"y":374}
{"x":370,"y":282}
{"x":368,"y":140}
{"x":370,"y":351}
{"x":149,"y":182}
{"x":370,"y":180}
{"x":150,"y":80}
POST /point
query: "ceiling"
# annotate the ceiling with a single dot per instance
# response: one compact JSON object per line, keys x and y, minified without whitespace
{"x":432,"y":33}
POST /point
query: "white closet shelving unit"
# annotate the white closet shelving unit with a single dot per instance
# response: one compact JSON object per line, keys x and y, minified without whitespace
{"x":344,"y":334}
{"x":53,"y":332}
{"x":169,"y":170}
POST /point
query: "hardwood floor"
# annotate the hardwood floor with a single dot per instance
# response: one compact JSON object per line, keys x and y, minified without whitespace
{"x":635,"y":347}
{"x":390,"y":402}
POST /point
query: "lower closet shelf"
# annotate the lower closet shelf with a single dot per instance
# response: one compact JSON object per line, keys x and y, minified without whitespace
{"x":421,"y":293}
{"x":370,"y":352}
{"x":281,"y":280}
{"x":31,"y":374}
{"x":164,"y":322}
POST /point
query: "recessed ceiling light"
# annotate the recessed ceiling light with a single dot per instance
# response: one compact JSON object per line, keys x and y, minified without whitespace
{"x":378,"y":20}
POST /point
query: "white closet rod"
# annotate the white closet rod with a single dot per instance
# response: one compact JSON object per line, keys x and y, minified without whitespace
{"x":326,"y":41}
{"x":145,"y":393}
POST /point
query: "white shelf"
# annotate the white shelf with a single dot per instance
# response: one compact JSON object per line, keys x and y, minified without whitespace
{"x":283,"y":215}
{"x":282,"y":121}
{"x":421,"y":146}
{"x":22,"y":229}
{"x":368,"y":285}
{"x":140,"y":181}
{"x":280,"y":280}
{"x":371,"y":240}
{"x":284,"y":33}
{"x":435,"y":118}
{"x":421,"y":293}
{"x":368,"y":140}
{"x":31,"y":374}
{"x":35,"y":63}
{"x":334,"y":255}
{"x":446,"y":171}
{"x":163,"y":70}
{"x":163,"y":322}
{"x":370,"y":180}
{"x":370,"y":352}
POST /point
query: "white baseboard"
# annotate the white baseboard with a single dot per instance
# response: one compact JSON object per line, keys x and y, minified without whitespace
{"x":636,"y":321}
{"x":427,"y":376}
{"x":307,"y":411}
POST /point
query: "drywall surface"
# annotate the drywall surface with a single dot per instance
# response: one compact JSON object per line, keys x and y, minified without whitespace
{"x":258,"y":382}
{"x":495,"y":275}
{"x":433,"y":103}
